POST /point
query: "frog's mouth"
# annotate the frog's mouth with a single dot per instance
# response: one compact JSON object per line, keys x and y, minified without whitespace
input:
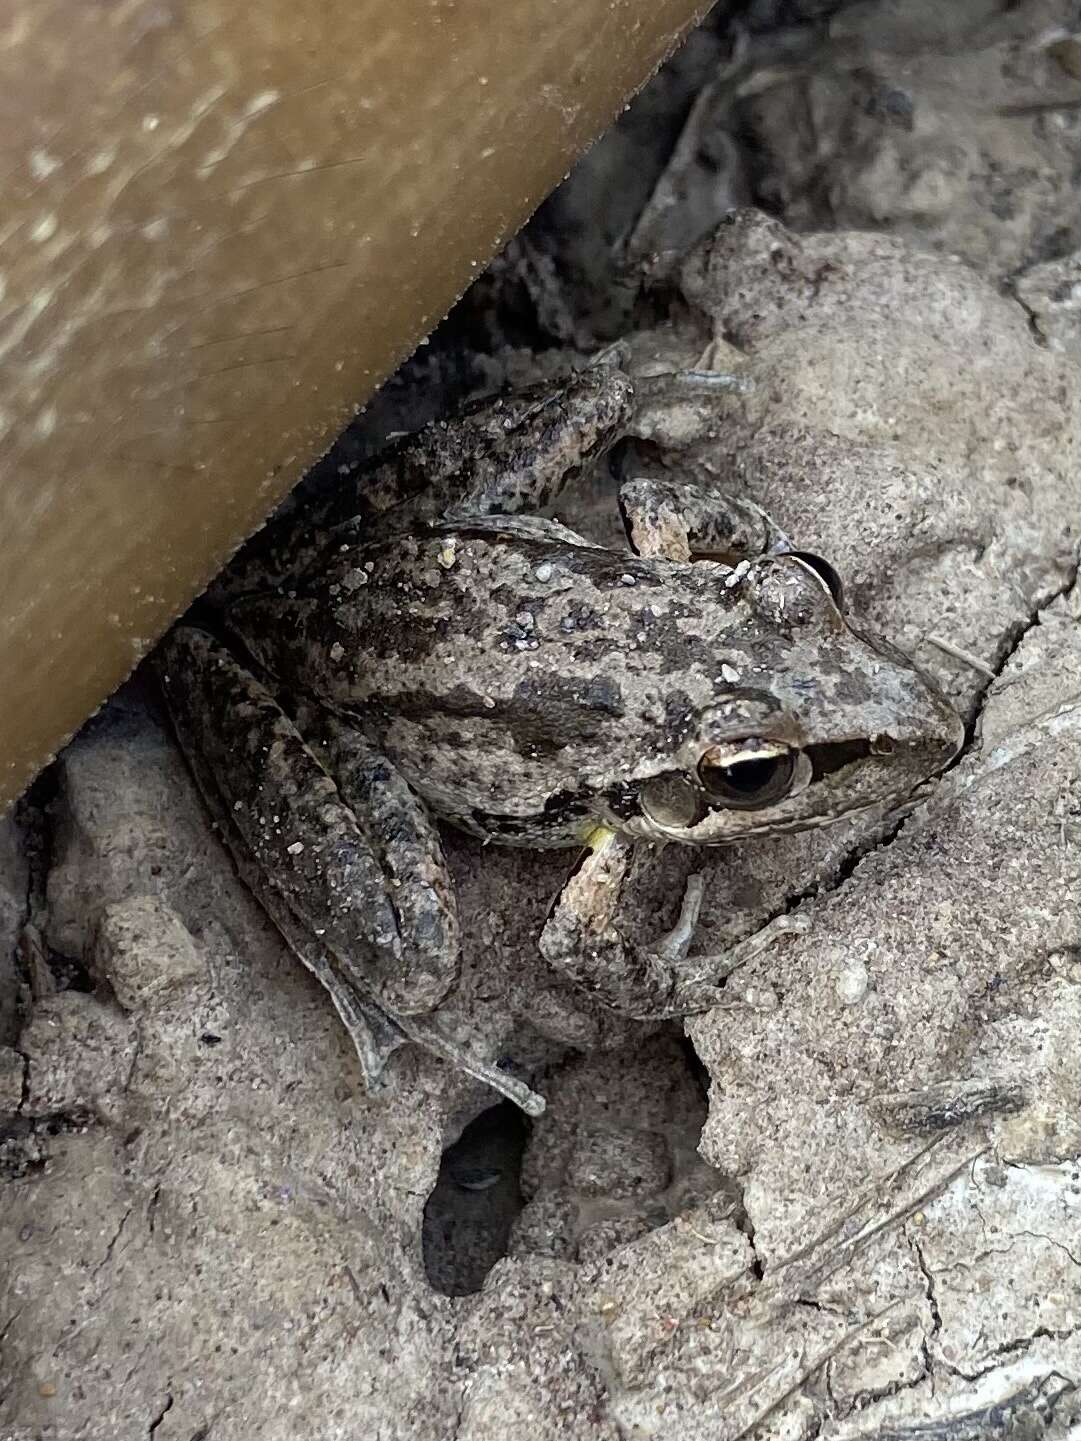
{"x":756,"y":785}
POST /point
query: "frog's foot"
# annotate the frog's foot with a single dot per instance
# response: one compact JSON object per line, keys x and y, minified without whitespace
{"x":582,"y":941}
{"x":427,"y":1033}
{"x":679,"y":520}
{"x":375,"y":1032}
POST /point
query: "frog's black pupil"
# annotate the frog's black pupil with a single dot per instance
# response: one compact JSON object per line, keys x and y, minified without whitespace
{"x":747,"y":777}
{"x":756,"y":781}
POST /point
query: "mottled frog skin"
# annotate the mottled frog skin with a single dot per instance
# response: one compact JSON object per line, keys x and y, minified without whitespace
{"x":447,"y":654}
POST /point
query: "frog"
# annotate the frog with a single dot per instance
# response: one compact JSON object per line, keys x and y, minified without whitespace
{"x":428,"y":647}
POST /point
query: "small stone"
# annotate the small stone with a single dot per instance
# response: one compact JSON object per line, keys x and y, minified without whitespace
{"x":296,"y":848}
{"x":543,"y":572}
{"x":730,"y":674}
{"x":628,"y":579}
{"x":448,"y":555}
{"x":852,"y":983}
{"x":761,"y":998}
{"x":337,"y":650}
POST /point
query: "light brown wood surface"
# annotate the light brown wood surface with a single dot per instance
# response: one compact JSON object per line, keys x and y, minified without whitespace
{"x":221,"y":227}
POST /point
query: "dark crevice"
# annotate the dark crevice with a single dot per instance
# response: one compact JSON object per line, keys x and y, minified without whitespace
{"x":808,"y":1304}
{"x":16,"y":997}
{"x":475,"y":1201}
{"x":40,"y":969}
{"x":1015,"y":1347}
{"x":25,"y":1140}
{"x":699,"y":1070}
{"x":152,"y":1210}
{"x":160,"y":1417}
{"x":932,"y":1303}
{"x":741,"y":1218}
{"x":862,"y":1399}
{"x":1010,"y":289}
{"x":24,"y":1095}
{"x":34,"y":817}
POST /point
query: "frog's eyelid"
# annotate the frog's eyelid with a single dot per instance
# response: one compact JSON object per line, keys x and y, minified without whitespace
{"x":824,"y":573}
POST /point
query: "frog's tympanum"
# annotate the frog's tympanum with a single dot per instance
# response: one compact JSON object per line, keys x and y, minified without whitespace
{"x":446,"y":655}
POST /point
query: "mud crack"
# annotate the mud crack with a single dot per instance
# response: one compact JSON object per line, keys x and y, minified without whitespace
{"x":160,"y":1417}
{"x":109,"y":1249}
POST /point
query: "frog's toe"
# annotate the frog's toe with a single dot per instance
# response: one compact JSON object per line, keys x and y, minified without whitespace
{"x":376,"y":1035}
{"x":426,"y":1032}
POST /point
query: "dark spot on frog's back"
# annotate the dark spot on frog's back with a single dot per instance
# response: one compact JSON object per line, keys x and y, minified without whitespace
{"x":678,"y":718}
{"x":547,"y":712}
{"x":562,"y":810}
{"x":410,"y":628}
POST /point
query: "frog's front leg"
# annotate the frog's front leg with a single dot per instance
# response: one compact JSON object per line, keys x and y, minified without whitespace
{"x":678,"y":520}
{"x":508,"y":455}
{"x":682,"y":520}
{"x":342,"y":855}
{"x":582,"y":940}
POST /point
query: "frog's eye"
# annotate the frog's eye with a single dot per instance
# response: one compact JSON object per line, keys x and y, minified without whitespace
{"x":747,"y":775}
{"x":823,"y":572}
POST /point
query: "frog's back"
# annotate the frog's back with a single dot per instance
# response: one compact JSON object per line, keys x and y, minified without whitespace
{"x":510,"y":679}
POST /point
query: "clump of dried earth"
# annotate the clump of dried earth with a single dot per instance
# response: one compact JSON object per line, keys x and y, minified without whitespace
{"x":845,"y":1205}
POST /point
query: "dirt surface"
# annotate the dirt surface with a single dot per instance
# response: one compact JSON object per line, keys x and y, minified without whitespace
{"x":845,"y":1204}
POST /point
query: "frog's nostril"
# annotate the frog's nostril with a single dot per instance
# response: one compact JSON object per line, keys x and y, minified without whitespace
{"x":825,"y":573}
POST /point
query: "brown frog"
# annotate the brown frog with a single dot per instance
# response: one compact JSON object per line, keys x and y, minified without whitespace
{"x":446,"y":654}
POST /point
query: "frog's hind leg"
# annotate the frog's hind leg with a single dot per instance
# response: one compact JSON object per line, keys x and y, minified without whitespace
{"x":679,"y":520}
{"x":536,"y":442}
{"x":504,"y":455}
{"x":582,"y":940}
{"x":360,"y":894}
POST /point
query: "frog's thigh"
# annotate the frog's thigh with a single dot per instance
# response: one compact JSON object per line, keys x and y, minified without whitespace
{"x":582,"y":940}
{"x":544,"y":441}
{"x":278,"y":808}
{"x":679,"y":519}
{"x":403,"y":837}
